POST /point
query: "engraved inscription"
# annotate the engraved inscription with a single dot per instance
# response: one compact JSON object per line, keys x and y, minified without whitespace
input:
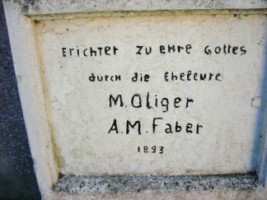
{"x":161,"y":95}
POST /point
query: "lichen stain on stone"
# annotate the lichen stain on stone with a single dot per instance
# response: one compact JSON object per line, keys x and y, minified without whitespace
{"x":58,"y":156}
{"x":60,"y":161}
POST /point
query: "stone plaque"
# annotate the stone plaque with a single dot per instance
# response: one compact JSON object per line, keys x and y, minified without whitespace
{"x":161,"y":95}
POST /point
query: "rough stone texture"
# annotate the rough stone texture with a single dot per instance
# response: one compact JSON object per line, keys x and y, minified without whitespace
{"x":17,"y":179}
{"x":230,"y":187}
{"x":122,"y":184}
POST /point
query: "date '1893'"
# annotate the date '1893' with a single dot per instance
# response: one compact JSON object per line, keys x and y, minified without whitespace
{"x":152,"y":149}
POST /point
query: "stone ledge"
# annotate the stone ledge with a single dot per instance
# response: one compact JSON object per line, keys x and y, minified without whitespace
{"x":136,"y":184}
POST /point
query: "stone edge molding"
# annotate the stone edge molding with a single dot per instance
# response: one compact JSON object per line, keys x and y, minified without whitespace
{"x":21,"y":16}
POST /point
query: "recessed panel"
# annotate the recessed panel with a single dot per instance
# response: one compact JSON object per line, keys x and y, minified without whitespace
{"x":161,"y":95}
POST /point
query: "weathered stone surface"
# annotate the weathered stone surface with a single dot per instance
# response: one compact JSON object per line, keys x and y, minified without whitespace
{"x":136,"y":184}
{"x":63,"y":124}
{"x":158,"y":113}
{"x":63,"y":6}
{"x":17,"y":178}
